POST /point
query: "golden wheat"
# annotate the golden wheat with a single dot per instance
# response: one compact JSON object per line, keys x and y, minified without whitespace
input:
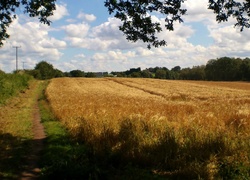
{"x":179,"y":102}
{"x":131,"y":115}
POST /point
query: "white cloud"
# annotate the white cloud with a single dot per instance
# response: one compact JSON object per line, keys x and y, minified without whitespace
{"x":87,"y":17}
{"x":59,"y":13}
{"x":197,"y":11}
{"x":104,"y":48}
{"x":76,"y":30}
{"x":35,"y":44}
{"x":80,"y":56}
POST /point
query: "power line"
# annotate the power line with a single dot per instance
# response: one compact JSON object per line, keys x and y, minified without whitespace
{"x":16,"y":56}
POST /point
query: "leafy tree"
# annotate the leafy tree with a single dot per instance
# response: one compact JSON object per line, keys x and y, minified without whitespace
{"x":245,"y":69}
{"x":46,"y":70}
{"x":176,"y":69}
{"x":76,"y":73}
{"x":160,"y":74}
{"x":133,"y":70}
{"x":223,"y":69}
{"x":90,"y":75}
{"x":119,"y":74}
{"x":58,"y":73}
{"x":195,"y":73}
{"x":34,"y":8}
{"x":135,"y":74}
{"x":146,"y":74}
{"x":137,"y":23}
{"x":35,"y":73}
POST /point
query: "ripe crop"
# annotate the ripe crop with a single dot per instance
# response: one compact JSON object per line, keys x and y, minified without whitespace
{"x":185,"y":128}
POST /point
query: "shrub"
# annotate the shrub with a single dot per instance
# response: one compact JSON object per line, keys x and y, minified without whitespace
{"x":11,"y":84}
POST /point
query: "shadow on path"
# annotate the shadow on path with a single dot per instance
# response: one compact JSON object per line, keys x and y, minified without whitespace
{"x":31,"y":168}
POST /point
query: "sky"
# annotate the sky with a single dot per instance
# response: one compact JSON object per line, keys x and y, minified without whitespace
{"x":83,"y":36}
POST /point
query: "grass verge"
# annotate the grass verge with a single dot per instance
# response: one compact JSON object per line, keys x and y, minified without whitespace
{"x":61,"y":155}
{"x":16,"y":131}
{"x":12,"y":84}
{"x":67,"y":158}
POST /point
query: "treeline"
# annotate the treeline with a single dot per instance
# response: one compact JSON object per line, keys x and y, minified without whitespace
{"x":44,"y":70}
{"x":221,"y":69}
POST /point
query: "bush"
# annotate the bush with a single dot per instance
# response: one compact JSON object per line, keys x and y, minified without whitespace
{"x":11,"y":84}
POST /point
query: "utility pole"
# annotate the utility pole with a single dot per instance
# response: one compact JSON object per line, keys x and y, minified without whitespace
{"x":16,"y":56}
{"x":23,"y":65}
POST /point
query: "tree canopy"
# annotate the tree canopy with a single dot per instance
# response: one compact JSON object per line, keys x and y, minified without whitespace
{"x":136,"y":15}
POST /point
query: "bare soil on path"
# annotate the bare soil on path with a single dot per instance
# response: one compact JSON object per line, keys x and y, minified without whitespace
{"x":32,"y":170}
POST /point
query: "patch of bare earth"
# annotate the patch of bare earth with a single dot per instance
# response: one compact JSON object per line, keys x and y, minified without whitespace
{"x":32,"y":170}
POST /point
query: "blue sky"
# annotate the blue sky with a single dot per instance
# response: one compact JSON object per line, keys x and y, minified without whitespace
{"x":84,"y":36}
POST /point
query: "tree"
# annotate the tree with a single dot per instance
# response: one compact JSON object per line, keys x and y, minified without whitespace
{"x":245,"y":69}
{"x":176,"y":69}
{"x":195,"y":73}
{"x":34,"y":8}
{"x":76,"y":73}
{"x":224,"y":69}
{"x":134,"y":14}
{"x":160,"y":74}
{"x":46,"y":70}
{"x":90,"y":75}
{"x":146,"y":74}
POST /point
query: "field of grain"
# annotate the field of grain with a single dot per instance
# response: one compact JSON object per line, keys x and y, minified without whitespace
{"x":175,"y":128}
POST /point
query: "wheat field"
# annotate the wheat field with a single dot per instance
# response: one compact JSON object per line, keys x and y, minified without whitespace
{"x":175,"y":127}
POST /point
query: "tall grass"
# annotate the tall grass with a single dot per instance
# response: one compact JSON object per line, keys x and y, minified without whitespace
{"x":173,"y":129}
{"x":11,"y":84}
{"x":16,"y":134}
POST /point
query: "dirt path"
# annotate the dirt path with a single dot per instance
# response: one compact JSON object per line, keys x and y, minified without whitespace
{"x":31,"y":165}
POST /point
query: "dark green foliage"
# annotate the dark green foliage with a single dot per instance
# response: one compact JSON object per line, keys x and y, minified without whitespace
{"x":34,"y":8}
{"x":11,"y":84}
{"x":245,"y":69}
{"x":135,"y":15}
{"x":226,"y":69}
{"x":160,"y":74}
{"x":137,"y":22}
{"x":90,"y":75}
{"x":195,"y":73}
{"x":233,"y":168}
{"x":44,"y":70}
{"x":231,"y":8}
{"x":221,"y":69}
{"x":146,"y":74}
{"x":76,"y":73}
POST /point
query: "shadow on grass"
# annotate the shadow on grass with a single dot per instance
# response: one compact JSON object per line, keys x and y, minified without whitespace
{"x":126,"y":155}
{"x":123,"y":155}
{"x":17,"y":156}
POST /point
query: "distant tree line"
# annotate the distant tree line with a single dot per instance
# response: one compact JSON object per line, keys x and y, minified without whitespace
{"x":221,"y":69}
{"x":44,"y":70}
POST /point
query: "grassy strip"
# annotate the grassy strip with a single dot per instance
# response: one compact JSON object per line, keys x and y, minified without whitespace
{"x":16,"y":131}
{"x":61,"y":155}
{"x":66,"y":158}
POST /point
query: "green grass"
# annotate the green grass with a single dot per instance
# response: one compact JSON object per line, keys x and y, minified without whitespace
{"x":12,"y":84}
{"x":61,"y":155}
{"x":16,"y":132}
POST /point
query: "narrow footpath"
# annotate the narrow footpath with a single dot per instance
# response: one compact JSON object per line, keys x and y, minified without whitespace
{"x":32,"y":170}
